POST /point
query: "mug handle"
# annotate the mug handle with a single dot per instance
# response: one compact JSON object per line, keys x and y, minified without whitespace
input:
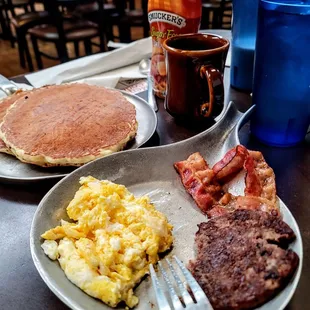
{"x":216,"y":89}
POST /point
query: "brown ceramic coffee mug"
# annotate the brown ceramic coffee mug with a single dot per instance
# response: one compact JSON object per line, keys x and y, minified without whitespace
{"x":195,"y":67}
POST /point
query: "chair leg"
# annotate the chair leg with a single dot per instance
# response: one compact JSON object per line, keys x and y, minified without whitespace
{"x":3,"y":25}
{"x":124,"y":32}
{"x":32,"y":8}
{"x":9,"y":30}
{"x":146,"y":24}
{"x":37,"y":52}
{"x":62,"y":51}
{"x":132,"y":5}
{"x":103,"y":47}
{"x":205,"y":19}
{"x":216,"y":19}
{"x":146,"y":30}
{"x":12,"y":39}
{"x":109,"y":32}
{"x":13,"y":12}
{"x":87,"y":45}
{"x":28,"y":56}
{"x":21,"y":49}
{"x":76,"y":49}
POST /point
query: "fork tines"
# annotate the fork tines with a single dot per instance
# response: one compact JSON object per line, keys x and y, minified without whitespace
{"x":197,"y":301}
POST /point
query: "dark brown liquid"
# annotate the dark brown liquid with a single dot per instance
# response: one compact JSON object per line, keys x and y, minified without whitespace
{"x":196,"y":44}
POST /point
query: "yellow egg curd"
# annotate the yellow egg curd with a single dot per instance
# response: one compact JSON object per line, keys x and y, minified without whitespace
{"x":112,"y":239}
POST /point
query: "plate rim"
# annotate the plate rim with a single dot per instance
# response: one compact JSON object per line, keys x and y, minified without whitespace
{"x":297,"y":274}
{"x":62,"y":175}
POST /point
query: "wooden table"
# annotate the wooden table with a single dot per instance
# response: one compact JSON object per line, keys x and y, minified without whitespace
{"x":21,"y":286}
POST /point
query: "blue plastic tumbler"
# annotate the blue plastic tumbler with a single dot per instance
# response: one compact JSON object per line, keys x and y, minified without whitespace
{"x":243,"y":43}
{"x":281,"y":89}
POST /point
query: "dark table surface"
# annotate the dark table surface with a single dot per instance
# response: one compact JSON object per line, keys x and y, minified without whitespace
{"x":21,"y":286}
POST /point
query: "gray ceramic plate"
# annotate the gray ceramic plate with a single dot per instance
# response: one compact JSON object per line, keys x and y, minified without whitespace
{"x":148,"y":171}
{"x":12,"y":170}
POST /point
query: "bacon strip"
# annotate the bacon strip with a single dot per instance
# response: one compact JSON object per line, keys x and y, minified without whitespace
{"x":198,"y":180}
{"x":232,"y":163}
{"x":260,"y":179}
{"x":253,"y":186}
{"x":244,"y":203}
{"x":202,"y":182}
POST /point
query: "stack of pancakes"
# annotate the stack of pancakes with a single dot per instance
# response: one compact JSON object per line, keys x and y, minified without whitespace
{"x":65,"y":125}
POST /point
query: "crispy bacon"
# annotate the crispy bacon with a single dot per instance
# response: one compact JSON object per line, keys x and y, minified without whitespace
{"x":256,"y":203}
{"x":265,"y":178}
{"x":232,"y":163}
{"x":202,"y":182}
{"x":253,"y":186}
{"x":198,"y":180}
{"x":244,"y":203}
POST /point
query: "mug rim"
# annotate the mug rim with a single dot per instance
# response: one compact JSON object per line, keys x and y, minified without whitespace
{"x":195,"y":52}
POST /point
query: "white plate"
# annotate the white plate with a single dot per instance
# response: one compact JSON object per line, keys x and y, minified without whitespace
{"x":13,"y":170}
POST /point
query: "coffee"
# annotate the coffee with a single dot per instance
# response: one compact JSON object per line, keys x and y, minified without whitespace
{"x":196,"y":44}
{"x":195,"y":67}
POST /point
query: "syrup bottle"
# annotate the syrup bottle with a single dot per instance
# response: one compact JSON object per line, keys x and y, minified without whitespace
{"x":168,"y":18}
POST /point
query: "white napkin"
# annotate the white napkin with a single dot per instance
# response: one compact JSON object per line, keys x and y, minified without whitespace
{"x":107,"y":63}
{"x":111,"y":78}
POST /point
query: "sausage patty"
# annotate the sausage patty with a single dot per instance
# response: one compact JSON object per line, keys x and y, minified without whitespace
{"x":242,"y":258}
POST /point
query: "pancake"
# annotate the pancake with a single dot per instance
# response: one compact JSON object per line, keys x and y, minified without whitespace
{"x":68,"y":125}
{"x":5,"y":103}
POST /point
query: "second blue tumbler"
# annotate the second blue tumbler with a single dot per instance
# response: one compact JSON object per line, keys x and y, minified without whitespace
{"x":243,"y":43}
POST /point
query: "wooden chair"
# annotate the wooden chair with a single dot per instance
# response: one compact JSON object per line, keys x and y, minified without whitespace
{"x":22,"y":23}
{"x":8,"y":11}
{"x":216,"y":14}
{"x":64,"y":28}
{"x":122,"y":14}
{"x":26,"y":5}
{"x":224,"y":15}
{"x":90,"y":11}
{"x":129,"y":16}
{"x":3,"y":22}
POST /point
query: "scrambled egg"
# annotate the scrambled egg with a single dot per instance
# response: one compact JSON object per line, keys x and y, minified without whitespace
{"x":114,"y":237}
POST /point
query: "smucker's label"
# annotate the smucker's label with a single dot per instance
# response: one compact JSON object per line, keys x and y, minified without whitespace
{"x":162,"y":34}
{"x":169,"y":18}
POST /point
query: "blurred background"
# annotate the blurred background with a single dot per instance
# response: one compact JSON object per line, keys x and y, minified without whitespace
{"x":40,"y":34}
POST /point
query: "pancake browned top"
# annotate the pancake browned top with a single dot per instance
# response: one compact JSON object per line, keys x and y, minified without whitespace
{"x":5,"y":103}
{"x":67,"y":122}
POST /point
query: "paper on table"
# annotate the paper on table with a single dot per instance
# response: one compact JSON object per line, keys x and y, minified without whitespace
{"x":128,"y":78}
{"x":116,"y":44}
{"x":111,"y":78}
{"x":95,"y":65}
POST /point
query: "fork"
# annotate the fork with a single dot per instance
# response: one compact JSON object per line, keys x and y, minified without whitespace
{"x":200,"y":300}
